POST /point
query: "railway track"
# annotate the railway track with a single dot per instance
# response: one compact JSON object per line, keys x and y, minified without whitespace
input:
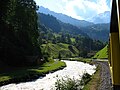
{"x":105,"y":82}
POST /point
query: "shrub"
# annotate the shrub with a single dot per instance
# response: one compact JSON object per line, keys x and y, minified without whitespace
{"x":68,"y":84}
{"x":85,"y":79}
{"x":72,"y":84}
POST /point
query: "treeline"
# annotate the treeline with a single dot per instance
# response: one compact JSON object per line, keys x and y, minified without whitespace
{"x":86,"y":45}
{"x":19,"y":44}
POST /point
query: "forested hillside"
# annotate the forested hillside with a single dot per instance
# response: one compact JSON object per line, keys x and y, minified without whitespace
{"x":58,"y":26}
{"x":19,"y":32}
{"x":98,"y":31}
{"x":67,"y":34}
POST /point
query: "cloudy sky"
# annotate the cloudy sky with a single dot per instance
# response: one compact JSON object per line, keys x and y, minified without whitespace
{"x":80,"y":9}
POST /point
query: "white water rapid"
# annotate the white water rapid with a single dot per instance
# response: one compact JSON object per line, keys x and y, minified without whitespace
{"x":74,"y":70}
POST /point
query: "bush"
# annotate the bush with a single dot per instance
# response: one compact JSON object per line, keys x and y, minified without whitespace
{"x":46,"y":56}
{"x":68,"y":84}
{"x":85,"y":78}
{"x":72,"y":84}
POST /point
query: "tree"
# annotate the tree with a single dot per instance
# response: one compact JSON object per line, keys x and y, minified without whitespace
{"x":59,"y":56}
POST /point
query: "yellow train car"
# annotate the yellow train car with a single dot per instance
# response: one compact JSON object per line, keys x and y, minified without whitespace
{"x":114,"y":44}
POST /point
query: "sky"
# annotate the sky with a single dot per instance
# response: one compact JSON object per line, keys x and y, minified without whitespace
{"x":79,"y":9}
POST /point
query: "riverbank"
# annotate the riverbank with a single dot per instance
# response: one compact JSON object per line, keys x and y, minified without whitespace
{"x":30,"y":73}
{"x":80,"y":59}
{"x":101,"y":80}
{"x":94,"y":83}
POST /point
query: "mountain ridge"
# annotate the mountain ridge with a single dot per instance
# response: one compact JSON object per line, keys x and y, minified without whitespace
{"x":58,"y":26}
{"x":65,"y":18}
{"x":101,"y":18}
{"x":98,"y":31}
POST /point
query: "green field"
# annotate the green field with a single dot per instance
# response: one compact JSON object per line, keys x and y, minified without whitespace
{"x":64,"y":49}
{"x":102,"y":54}
{"x":72,"y":39}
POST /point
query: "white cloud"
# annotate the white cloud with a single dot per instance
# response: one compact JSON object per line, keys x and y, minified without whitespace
{"x":85,"y":8}
{"x":65,"y":1}
{"x":69,"y":8}
{"x":102,"y":6}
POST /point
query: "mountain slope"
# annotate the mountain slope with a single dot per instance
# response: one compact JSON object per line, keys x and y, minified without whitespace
{"x":49,"y":21}
{"x":98,"y":31}
{"x":102,"y":54}
{"x":101,"y":18}
{"x":57,"y":26}
{"x":65,"y":50}
{"x":65,"y":18}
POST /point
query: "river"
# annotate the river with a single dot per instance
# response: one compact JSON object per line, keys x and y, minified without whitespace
{"x":74,"y":70}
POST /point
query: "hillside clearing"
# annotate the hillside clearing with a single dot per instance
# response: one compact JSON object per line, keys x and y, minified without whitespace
{"x":102,"y":54}
{"x":65,"y":50}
